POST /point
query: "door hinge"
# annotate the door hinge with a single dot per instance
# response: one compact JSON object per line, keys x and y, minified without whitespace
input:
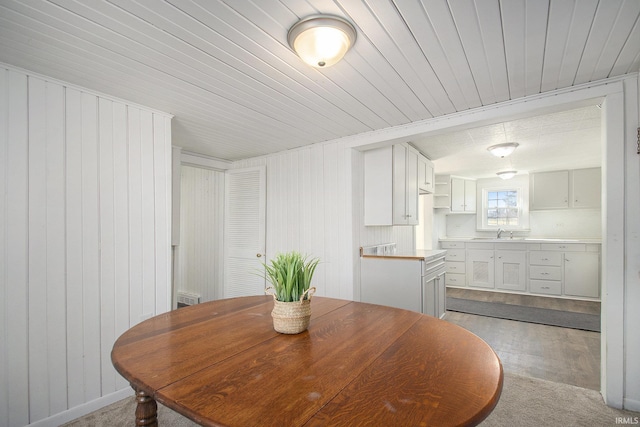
{"x":638,"y":142}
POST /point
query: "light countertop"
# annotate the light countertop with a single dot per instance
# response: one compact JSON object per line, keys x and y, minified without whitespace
{"x":519,"y":240}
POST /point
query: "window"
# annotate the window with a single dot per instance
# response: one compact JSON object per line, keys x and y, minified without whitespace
{"x":502,"y":208}
{"x":503,"y":204}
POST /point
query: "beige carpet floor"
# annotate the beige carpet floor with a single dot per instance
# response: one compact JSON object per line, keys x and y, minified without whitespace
{"x":524,"y":402}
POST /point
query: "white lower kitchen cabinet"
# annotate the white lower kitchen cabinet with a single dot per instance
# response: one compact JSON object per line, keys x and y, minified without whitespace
{"x":413,"y":282}
{"x":455,"y":265}
{"x":511,"y":270}
{"x":434,"y":295}
{"x":568,"y":269}
{"x":582,"y":274}
{"x":480,"y":268}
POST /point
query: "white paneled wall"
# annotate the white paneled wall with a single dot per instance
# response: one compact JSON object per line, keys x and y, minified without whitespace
{"x":314,"y":205}
{"x":84,"y":240}
{"x":201,"y":232}
{"x":309,"y":210}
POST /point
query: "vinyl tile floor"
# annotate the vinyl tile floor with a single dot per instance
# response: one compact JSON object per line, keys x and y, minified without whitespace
{"x":563,"y":355}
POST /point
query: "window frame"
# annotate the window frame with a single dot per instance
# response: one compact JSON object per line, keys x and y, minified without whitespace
{"x":519,"y":184}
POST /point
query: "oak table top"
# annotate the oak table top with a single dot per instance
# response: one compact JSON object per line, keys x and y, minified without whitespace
{"x":221,"y":364}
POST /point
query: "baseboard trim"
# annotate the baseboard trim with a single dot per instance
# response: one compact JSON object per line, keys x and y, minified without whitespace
{"x":631,"y":404}
{"x":84,"y":409}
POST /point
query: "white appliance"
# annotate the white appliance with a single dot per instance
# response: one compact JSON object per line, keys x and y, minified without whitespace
{"x":412,"y":281}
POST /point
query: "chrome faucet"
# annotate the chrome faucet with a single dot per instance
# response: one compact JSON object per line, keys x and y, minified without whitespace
{"x":500,"y":230}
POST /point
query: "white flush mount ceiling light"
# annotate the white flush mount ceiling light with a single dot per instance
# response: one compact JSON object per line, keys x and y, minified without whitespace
{"x":321,"y":40}
{"x":503,"y":150}
{"x":507,"y":174}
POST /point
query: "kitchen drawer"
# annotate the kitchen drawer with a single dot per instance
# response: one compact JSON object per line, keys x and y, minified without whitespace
{"x":548,"y":287}
{"x":545,"y":258}
{"x":455,"y":255}
{"x":481,"y":245}
{"x":545,"y":272}
{"x":452,"y":245}
{"x":455,"y":279}
{"x":433,"y":267}
{"x":454,"y":267}
{"x":563,"y":247}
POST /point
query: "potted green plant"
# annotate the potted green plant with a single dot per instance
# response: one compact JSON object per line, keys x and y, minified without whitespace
{"x":290,"y":275}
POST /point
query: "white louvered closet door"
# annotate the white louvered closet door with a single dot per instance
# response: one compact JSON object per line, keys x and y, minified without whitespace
{"x":244,"y":232}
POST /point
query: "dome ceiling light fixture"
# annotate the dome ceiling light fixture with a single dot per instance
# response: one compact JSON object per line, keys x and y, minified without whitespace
{"x":507,"y":174}
{"x":503,"y":150}
{"x":321,"y":40}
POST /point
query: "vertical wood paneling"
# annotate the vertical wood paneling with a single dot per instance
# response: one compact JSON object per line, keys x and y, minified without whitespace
{"x":121,"y":223}
{"x":74,"y":258}
{"x":161,"y":179}
{"x":201,"y":234}
{"x":56,"y":298}
{"x":135,"y":216}
{"x":4,"y":142}
{"x":38,"y":375}
{"x":147,"y":208}
{"x":15,"y":247}
{"x":90,"y":248}
{"x":65,"y":240}
{"x":107,"y":245}
{"x":307,"y":210}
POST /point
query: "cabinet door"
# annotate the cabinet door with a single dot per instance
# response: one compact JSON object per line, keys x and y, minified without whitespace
{"x":480,"y":268}
{"x":430,"y":297}
{"x":550,"y":190}
{"x":399,"y":184}
{"x":582,"y":274}
{"x":511,"y":270}
{"x":411,"y":187}
{"x":457,"y":195}
{"x":425,"y":174}
{"x":442,"y":297}
{"x":469,"y":196}
{"x":586,"y":188}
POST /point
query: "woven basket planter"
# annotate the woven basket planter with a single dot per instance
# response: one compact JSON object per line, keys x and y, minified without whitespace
{"x":292,"y":317}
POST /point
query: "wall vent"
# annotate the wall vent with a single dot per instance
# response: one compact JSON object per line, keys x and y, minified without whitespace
{"x":187,"y":298}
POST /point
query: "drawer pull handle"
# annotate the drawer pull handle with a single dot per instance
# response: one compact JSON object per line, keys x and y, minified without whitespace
{"x":544,"y":274}
{"x":545,"y":259}
{"x":546,"y":287}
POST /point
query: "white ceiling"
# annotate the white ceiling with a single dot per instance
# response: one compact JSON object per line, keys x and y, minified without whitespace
{"x":224,"y":69}
{"x":565,"y":140}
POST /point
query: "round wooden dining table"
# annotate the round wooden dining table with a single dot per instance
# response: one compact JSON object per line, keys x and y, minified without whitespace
{"x":221,"y":363}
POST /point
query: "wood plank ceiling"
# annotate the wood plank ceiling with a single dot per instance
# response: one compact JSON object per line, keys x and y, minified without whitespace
{"x":224,"y":69}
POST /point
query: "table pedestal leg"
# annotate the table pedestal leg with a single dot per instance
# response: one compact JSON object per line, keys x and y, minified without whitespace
{"x":147,"y":409}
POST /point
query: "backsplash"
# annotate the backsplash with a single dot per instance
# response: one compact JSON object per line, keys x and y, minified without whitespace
{"x":561,"y":223}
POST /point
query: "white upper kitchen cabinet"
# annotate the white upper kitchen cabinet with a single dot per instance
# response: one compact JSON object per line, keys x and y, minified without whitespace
{"x":425,"y":175}
{"x":463,"y":195}
{"x":391,"y":186}
{"x":580,"y":188}
{"x":405,"y":185}
{"x":549,"y":190}
{"x":586,"y":188}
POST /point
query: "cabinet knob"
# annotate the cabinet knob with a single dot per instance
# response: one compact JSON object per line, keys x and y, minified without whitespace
{"x":259,"y":255}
